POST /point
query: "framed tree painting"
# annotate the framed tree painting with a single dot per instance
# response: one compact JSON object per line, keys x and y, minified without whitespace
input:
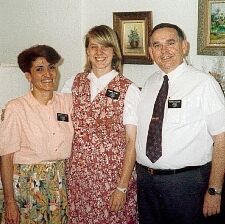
{"x":133,"y":30}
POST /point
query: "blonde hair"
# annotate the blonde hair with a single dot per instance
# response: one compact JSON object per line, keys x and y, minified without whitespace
{"x":107,"y":37}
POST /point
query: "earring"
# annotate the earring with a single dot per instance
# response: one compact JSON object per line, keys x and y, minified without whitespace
{"x":31,"y":86}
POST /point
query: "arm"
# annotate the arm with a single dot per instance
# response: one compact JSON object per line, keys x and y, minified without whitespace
{"x":212,"y":202}
{"x":118,"y":198}
{"x":11,"y":209}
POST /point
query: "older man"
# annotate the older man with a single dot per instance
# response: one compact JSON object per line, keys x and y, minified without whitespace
{"x":181,"y":137}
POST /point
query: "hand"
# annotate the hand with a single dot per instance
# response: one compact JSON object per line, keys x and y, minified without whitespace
{"x":12,"y":215}
{"x":211,"y":204}
{"x":117,"y":200}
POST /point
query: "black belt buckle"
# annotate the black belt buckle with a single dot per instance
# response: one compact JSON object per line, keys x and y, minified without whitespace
{"x":150,"y":171}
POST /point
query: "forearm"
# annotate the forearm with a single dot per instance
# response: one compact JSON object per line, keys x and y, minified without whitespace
{"x":129,"y":159}
{"x":128,"y":166}
{"x":218,"y":162}
{"x":7,"y":177}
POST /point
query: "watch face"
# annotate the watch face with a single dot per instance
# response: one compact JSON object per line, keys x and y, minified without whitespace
{"x":212,"y":191}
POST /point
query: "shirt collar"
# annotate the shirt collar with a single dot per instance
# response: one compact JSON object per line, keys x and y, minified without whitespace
{"x":35,"y":102}
{"x":179,"y":70}
{"x":104,"y":78}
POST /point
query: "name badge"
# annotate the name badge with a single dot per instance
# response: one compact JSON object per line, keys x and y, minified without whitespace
{"x":62,"y":117}
{"x":112,"y":94}
{"x":174,"y":103}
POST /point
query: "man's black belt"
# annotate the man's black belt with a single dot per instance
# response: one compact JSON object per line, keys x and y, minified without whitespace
{"x":167,"y":171}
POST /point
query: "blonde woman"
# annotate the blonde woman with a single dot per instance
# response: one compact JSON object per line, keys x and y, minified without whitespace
{"x":101,"y":182}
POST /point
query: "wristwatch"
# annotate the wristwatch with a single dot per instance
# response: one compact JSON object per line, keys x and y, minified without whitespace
{"x":214,"y":191}
{"x":124,"y":190}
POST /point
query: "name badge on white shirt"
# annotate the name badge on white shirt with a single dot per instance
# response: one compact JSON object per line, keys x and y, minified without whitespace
{"x":174,"y":103}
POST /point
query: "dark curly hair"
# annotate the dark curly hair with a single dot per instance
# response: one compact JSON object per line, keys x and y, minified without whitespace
{"x":27,"y":56}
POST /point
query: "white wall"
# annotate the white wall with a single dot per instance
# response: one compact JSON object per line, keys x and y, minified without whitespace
{"x":56,"y":23}
{"x":13,"y":83}
{"x":63,"y":24}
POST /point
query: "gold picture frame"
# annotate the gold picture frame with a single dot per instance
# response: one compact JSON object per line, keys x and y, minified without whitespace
{"x":211,"y":27}
{"x":133,"y":30}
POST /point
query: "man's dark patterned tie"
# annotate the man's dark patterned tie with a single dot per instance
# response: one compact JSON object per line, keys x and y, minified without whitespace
{"x":154,"y":139}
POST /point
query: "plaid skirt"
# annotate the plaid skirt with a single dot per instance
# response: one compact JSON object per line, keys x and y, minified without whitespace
{"x":40,"y":191}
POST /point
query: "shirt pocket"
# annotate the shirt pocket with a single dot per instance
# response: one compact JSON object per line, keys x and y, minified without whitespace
{"x":192,"y":110}
{"x":173,"y":115}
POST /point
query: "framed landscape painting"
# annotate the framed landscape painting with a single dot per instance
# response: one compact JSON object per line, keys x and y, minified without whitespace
{"x":211,"y":27}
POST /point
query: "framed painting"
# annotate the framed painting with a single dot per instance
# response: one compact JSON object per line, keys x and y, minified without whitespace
{"x":211,"y":27}
{"x":133,"y":30}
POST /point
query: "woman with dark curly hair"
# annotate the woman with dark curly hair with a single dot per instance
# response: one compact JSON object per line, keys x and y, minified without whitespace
{"x":35,"y":138}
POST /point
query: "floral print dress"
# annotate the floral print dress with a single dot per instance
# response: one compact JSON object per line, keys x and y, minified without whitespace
{"x":98,"y":151}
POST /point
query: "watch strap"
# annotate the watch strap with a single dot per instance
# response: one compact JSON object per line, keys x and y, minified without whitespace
{"x":122,"y":189}
{"x":214,"y":191}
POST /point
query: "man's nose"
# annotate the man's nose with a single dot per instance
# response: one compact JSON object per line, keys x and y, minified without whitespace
{"x":164,"y":47}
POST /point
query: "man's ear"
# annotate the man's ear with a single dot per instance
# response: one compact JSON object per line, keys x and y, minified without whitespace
{"x":185,"y":47}
{"x":150,"y":52}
